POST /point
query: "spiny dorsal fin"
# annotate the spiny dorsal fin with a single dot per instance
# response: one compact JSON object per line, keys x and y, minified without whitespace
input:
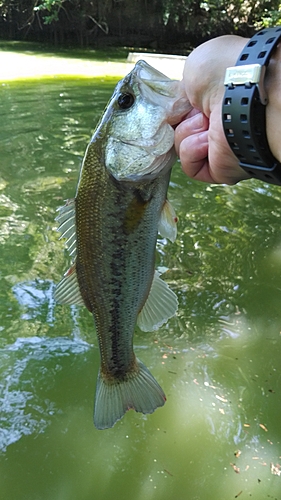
{"x":67,"y":291}
{"x":167,"y":225}
{"x":67,"y":225}
{"x":161,"y":304}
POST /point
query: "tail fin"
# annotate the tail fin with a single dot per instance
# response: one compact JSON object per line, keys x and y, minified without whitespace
{"x":139,"y":391}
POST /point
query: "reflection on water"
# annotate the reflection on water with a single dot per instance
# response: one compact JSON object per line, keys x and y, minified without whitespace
{"x":218,"y":360}
{"x":34,"y":297}
{"x":23,"y":411}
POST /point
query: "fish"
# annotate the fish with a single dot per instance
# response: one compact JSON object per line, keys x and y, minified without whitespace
{"x":111,"y":228}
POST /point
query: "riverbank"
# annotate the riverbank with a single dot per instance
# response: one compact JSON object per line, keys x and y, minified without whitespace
{"x":17,"y":66}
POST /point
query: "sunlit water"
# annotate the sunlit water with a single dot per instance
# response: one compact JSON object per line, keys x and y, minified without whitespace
{"x":218,"y":436}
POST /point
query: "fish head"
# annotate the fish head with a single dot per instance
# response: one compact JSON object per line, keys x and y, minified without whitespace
{"x":137,"y":128}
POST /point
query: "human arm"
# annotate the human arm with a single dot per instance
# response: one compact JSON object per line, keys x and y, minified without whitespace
{"x":199,"y":139}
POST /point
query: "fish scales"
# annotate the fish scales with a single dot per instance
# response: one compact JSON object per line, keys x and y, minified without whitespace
{"x":107,"y":268}
{"x":111,"y":227}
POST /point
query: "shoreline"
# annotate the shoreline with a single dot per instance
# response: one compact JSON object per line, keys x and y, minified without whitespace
{"x":15,"y":66}
{"x":18,"y":66}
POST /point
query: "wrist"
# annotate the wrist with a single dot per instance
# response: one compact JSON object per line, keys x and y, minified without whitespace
{"x":205,"y":67}
{"x":245,"y":106}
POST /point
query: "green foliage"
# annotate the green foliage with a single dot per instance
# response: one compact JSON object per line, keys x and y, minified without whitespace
{"x":271,"y":17}
{"x":158,"y":24}
{"x":52,"y":7}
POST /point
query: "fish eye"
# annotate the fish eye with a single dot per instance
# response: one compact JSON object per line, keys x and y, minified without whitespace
{"x":125,"y":101}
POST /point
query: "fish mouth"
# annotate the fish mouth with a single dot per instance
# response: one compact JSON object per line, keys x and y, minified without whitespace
{"x":157,"y":82}
{"x":149,"y":74}
{"x":159,"y":88}
{"x":140,"y":144}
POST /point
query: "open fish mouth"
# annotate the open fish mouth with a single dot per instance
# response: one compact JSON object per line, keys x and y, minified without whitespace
{"x":167,"y":93}
{"x":140,"y":142}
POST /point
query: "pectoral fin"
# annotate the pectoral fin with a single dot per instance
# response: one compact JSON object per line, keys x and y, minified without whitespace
{"x":161,"y":304}
{"x":167,"y":225}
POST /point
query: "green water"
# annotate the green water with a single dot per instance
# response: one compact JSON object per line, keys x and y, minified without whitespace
{"x":218,"y":360}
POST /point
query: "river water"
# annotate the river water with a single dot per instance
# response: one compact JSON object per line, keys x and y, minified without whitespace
{"x":218,"y":437}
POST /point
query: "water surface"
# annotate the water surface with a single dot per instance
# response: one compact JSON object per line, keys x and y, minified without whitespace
{"x":218,"y":436}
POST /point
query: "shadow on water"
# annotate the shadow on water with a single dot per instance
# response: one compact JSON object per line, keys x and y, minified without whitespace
{"x":218,"y":435}
{"x":43,"y":49}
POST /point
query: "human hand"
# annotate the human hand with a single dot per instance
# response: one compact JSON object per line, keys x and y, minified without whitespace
{"x":199,"y":139}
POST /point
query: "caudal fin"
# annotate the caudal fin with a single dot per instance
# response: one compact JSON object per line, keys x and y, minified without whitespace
{"x":139,"y":391}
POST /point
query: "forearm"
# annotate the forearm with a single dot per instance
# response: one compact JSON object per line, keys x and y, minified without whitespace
{"x":273,"y":109}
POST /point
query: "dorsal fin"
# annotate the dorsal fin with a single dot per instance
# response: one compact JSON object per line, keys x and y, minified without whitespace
{"x":161,"y":304}
{"x":67,"y":291}
{"x":67,"y":225}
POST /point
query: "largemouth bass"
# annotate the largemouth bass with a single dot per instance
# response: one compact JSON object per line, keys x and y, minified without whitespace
{"x":111,"y":228}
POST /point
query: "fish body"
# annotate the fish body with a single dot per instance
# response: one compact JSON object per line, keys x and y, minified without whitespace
{"x":111,"y":228}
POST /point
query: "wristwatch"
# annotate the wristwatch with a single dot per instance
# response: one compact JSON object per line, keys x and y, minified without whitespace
{"x":244,"y":103}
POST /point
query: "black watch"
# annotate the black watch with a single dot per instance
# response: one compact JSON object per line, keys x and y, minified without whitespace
{"x":244,"y":103}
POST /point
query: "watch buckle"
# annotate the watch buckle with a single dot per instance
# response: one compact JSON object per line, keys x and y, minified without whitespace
{"x":247,"y":74}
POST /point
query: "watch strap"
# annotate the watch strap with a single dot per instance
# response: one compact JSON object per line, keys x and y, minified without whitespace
{"x":244,"y":106}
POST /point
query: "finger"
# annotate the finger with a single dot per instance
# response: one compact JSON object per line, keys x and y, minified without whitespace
{"x":195,"y":123}
{"x":193,"y":154}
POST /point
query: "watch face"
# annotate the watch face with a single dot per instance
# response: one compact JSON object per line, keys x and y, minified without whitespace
{"x":240,"y":75}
